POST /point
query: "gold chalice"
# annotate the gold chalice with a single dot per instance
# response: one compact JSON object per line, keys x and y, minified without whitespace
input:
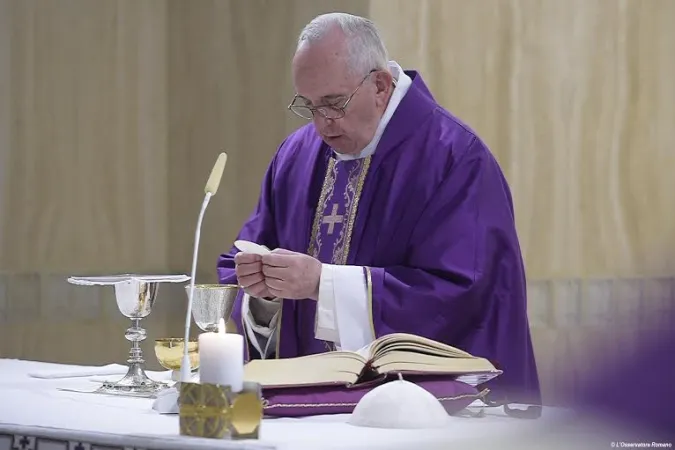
{"x":169,"y":353}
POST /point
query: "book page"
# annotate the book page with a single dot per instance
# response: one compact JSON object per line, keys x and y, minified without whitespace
{"x":366,"y":352}
{"x":406,"y":353}
{"x":413,"y":343}
{"x":323,"y":368}
{"x":410,"y":361}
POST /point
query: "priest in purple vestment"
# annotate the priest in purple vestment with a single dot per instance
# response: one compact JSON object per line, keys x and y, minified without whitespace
{"x":385,"y":213}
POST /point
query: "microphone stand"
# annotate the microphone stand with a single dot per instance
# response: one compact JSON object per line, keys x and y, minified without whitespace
{"x":185,"y":373}
{"x":209,"y":191}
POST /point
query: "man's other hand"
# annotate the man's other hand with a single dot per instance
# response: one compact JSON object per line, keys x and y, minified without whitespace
{"x":291,"y":275}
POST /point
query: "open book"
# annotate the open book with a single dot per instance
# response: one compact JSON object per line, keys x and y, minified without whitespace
{"x":394,"y":353}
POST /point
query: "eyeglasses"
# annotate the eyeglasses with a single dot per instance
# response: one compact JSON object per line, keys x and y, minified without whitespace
{"x":332,"y":112}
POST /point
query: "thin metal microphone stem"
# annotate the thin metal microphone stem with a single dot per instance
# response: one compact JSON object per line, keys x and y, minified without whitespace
{"x":185,"y":372}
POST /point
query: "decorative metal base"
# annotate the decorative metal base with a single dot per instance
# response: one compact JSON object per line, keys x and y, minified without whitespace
{"x":135,"y":383}
{"x":214,"y":411}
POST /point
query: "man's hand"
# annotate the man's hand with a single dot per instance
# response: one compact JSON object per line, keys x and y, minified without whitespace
{"x":248,"y":268}
{"x":291,"y":275}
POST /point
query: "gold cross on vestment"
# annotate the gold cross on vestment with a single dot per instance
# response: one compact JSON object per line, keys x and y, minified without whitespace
{"x":333,"y":219}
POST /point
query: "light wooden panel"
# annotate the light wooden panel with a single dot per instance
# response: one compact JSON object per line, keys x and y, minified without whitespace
{"x":83,"y":173}
{"x":116,"y":114}
{"x":576,"y":100}
{"x":86,"y":162}
{"x":5,"y":110}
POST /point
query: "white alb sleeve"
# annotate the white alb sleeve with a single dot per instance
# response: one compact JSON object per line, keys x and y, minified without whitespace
{"x":343,"y":309}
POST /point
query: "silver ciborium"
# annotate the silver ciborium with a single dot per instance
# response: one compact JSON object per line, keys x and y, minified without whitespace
{"x":212,"y":302}
{"x":135,"y":296}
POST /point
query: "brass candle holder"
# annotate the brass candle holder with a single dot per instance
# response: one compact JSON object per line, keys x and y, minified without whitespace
{"x":214,"y":411}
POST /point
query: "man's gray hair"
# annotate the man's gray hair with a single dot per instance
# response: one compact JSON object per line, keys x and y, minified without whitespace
{"x":364,"y":44}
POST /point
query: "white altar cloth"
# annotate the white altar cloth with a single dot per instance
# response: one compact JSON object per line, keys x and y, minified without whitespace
{"x":34,"y":415}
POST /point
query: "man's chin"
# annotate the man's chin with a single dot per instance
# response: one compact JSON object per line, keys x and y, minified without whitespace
{"x":341,"y":147}
{"x":334,"y":141}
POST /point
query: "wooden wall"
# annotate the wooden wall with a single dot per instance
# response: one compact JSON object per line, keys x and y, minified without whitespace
{"x":113,"y":113}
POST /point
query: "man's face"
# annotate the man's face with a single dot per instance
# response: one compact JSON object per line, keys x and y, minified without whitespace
{"x":322,"y":78}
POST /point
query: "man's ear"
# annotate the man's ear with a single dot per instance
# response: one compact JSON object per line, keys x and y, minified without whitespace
{"x":384,"y":82}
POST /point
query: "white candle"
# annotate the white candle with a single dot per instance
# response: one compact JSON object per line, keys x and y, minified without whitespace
{"x":221,"y":358}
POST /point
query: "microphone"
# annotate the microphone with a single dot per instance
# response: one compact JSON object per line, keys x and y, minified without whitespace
{"x":209,"y":191}
{"x":216,"y":174}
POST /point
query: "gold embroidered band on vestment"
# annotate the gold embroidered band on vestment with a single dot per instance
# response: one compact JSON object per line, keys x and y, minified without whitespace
{"x":352,"y":194}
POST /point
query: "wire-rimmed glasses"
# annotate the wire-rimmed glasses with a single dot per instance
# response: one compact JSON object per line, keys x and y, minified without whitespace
{"x":333,"y":112}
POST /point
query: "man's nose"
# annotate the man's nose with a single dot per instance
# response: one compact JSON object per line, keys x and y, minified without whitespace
{"x":321,"y":121}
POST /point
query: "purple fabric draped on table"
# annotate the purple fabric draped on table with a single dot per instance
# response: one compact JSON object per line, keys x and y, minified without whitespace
{"x":337,"y":399}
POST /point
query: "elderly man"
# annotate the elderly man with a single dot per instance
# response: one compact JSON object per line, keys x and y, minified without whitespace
{"x":386,"y":214}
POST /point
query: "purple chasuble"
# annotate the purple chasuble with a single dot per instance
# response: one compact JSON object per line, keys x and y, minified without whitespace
{"x":434,"y":231}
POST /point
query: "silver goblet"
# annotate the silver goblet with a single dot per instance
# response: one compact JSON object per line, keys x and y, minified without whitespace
{"x":135,"y":296}
{"x":212,"y":302}
{"x":135,"y":299}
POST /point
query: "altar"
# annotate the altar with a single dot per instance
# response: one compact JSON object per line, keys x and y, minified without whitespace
{"x":47,"y":406}
{"x":41,"y":414}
